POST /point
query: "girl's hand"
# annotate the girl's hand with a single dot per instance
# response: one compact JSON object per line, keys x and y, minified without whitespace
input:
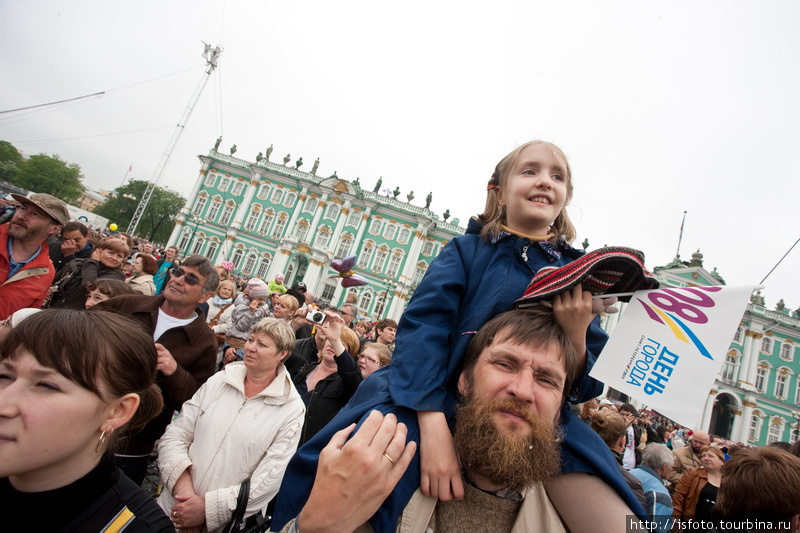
{"x":439,"y":467}
{"x":230,"y":355}
{"x":604,"y":305}
{"x":254,"y":304}
{"x":573,"y":312}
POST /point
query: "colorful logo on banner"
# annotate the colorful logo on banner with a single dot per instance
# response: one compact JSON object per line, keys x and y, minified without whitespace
{"x":671,"y":304}
{"x":667,"y":347}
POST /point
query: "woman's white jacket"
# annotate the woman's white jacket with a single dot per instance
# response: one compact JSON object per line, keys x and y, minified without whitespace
{"x":226,"y":437}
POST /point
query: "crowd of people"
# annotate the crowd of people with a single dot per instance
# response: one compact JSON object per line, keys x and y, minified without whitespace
{"x":253,"y":396}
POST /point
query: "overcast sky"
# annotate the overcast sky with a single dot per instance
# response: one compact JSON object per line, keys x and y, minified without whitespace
{"x":661,"y":107}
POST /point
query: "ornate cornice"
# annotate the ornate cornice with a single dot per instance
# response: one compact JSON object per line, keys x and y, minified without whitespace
{"x":748,"y":403}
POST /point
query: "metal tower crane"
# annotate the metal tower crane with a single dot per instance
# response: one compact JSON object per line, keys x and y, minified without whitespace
{"x":211,"y":55}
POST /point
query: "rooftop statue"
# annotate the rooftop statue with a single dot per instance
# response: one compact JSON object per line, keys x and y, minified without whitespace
{"x":233,"y":149}
{"x":287,"y":159}
{"x":428,"y":200}
{"x":298,"y":163}
{"x":269,"y":152}
{"x":216,"y":144}
{"x":315,"y":167}
{"x":378,"y":185}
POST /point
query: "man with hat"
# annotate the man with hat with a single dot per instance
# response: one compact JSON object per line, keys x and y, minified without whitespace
{"x":26,"y":271}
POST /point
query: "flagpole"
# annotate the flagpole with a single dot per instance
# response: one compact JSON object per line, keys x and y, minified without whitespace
{"x":680,"y":237}
{"x":125,"y":177}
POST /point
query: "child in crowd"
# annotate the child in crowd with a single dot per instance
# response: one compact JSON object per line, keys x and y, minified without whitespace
{"x":276,"y":285}
{"x":106,"y":262}
{"x":523,"y":228}
{"x":101,"y":290}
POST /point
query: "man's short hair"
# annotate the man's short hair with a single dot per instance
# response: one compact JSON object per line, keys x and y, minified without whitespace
{"x":657,"y":455}
{"x":760,"y":484}
{"x":534,"y":326}
{"x":628,"y":408}
{"x":206,"y":269}
{"x":386,"y":323}
{"x":74,"y":225}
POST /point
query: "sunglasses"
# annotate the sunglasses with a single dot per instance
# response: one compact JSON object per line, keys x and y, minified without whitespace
{"x":189,"y":278}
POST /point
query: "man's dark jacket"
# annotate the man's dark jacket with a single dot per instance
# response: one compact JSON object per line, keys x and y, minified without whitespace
{"x":193,"y":347}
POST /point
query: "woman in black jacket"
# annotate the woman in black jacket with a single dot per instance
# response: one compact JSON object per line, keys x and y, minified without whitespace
{"x":327,"y":385}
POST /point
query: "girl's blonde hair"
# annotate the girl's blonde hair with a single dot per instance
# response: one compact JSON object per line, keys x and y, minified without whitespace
{"x":494,"y":216}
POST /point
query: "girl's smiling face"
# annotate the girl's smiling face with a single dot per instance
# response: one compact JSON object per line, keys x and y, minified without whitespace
{"x":535,"y":191}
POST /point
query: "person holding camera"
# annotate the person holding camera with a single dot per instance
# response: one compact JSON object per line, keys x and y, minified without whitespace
{"x":326,"y":385}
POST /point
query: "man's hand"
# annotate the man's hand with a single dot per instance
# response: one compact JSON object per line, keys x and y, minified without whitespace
{"x":230,"y":355}
{"x":440,"y":472}
{"x":166,"y":364}
{"x":69,"y":247}
{"x":355,"y":477}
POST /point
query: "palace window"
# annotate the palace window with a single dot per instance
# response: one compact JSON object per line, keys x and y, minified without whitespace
{"x":752,"y":434}
{"x":380,"y":305}
{"x":311,"y":205}
{"x":323,"y":238}
{"x":212,"y":250}
{"x":200,"y":204}
{"x":345,"y":243}
{"x":365,"y":302}
{"x":766,"y":346}
{"x":380,"y":260}
{"x":774,"y":434}
{"x":354,"y":218}
{"x":277,"y":229}
{"x":780,"y":385}
{"x":227,"y":213}
{"x":419,"y":272}
{"x":237,"y":258}
{"x":328,"y":292}
{"x":332,"y":212}
{"x":262,"y":191}
{"x":394,"y":264}
{"x":738,"y":336}
{"x":224,"y":184}
{"x":211,"y":179}
{"x":249,"y":263}
{"x":262,"y":267}
{"x":761,"y":378}
{"x":197,"y":247}
{"x":213,"y":211}
{"x":251,"y":219}
{"x":375,"y":226}
{"x":290,"y":200}
{"x":405,"y":236}
{"x":729,"y":369}
{"x":277,"y":196}
{"x":427,"y":248}
{"x":184,"y":240}
{"x":366,"y":254}
{"x":391,"y":231}
{"x":301,"y":230}
{"x":797,"y":392}
{"x":786,"y":351}
{"x":237,"y":188}
{"x":266,"y":221}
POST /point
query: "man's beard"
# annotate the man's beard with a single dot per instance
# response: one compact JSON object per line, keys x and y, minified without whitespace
{"x":23,"y":233}
{"x":504,"y":458}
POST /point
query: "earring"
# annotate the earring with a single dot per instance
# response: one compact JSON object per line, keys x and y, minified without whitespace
{"x":103,"y":437}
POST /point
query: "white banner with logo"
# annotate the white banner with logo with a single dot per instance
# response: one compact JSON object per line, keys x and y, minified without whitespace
{"x":669,"y":345}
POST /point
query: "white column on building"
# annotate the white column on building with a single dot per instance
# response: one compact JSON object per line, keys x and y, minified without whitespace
{"x":752,"y":366}
{"x":197,"y":184}
{"x":225,"y":250}
{"x":279,"y":262}
{"x":176,"y":231}
{"x":417,"y":241}
{"x":705,"y":421}
{"x":364,"y":223}
{"x":244,"y":207}
{"x":344,"y":213}
{"x":738,"y":423}
{"x":744,"y":367}
{"x":321,"y":207}
{"x":744,"y":427}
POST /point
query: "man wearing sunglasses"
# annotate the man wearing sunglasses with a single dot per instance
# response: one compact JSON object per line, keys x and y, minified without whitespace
{"x":187,"y":349}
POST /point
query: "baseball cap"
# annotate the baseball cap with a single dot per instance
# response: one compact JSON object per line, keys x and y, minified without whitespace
{"x":47,"y":203}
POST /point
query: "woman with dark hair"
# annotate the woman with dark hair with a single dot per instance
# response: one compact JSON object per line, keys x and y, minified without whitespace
{"x":63,"y":403}
{"x":144,"y":266}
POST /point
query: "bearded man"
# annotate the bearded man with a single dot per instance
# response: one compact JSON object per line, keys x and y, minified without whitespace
{"x":26,"y":272}
{"x":517,"y":371}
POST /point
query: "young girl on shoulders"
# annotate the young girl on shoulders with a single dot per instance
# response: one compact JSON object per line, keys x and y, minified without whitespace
{"x":523,"y":228}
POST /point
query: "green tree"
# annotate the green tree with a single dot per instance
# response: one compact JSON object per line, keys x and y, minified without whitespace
{"x":52,"y":175}
{"x":10,"y":161}
{"x":156,"y":223}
